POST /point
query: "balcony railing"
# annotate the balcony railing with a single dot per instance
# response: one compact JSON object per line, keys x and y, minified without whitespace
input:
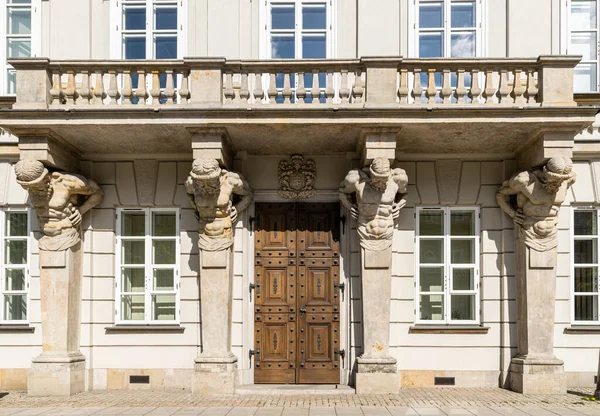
{"x":367,"y":82}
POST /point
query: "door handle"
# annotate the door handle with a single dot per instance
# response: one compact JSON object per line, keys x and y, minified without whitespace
{"x":302,"y":310}
{"x":338,"y":353}
{"x":254,"y":352}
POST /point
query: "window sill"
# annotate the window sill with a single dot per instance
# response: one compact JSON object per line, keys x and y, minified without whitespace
{"x":16,"y":328}
{"x":145,"y":329}
{"x":583,"y":329}
{"x":448,"y":329}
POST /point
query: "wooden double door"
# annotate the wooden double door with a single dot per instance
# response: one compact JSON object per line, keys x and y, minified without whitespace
{"x":297,"y":293}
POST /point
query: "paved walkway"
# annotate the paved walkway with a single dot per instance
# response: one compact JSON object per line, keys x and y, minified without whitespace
{"x":410,"y":401}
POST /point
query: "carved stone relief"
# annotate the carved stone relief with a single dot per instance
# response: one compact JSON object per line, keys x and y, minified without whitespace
{"x":297,"y":178}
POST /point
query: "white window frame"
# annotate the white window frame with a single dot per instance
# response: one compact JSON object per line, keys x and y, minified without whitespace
{"x":572,"y":292}
{"x":413,"y":37}
{"x":148,"y":267}
{"x":448,"y":291}
{"x":3,"y":239}
{"x":36,"y":38}
{"x":116,"y":25}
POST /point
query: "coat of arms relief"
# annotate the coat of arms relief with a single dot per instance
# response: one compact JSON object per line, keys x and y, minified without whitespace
{"x":297,"y":178}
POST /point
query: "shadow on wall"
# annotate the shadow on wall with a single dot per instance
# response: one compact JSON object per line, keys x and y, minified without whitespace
{"x":194,"y":265}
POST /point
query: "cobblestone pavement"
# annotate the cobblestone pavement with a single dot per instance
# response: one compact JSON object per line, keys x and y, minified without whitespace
{"x":410,"y":401}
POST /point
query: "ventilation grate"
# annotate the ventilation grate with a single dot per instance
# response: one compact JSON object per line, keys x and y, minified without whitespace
{"x":139,"y":379}
{"x":444,"y":381}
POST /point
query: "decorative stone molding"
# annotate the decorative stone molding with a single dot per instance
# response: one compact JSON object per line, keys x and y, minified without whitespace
{"x":379,"y":194}
{"x":60,"y":199}
{"x":539,"y":194}
{"x":297,"y":178}
{"x":211,"y":191}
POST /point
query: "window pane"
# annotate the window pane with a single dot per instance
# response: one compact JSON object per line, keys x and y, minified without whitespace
{"x":133,"y":224}
{"x":133,"y":252}
{"x":586,"y":223}
{"x":18,"y":1}
{"x":584,"y":44}
{"x":432,"y":307}
{"x":283,"y":16}
{"x":431,"y":222}
{"x":431,"y":15}
{"x":583,"y":15}
{"x":132,"y":280}
{"x":19,"y":21}
{"x":586,"y":308}
{"x":16,"y":252}
{"x":163,"y":224}
{"x":132,"y":307}
{"x":586,"y":251}
{"x":462,"y":307}
{"x":431,"y":251}
{"x":164,"y":279}
{"x":314,"y":46}
{"x":134,"y":18}
{"x":283,"y":47}
{"x":163,"y":251}
{"x":462,"y":251}
{"x":15,"y":279}
{"x":463,"y":279}
{"x":585,"y":78}
{"x":163,"y":307}
{"x":19,"y":48}
{"x":134,"y":48}
{"x":314,"y":16}
{"x":586,"y":279}
{"x":431,"y":279}
{"x":166,"y":18}
{"x":463,"y":45}
{"x":11,"y":82}
{"x":16,"y":224}
{"x":166,"y":47}
{"x":463,"y":14}
{"x":462,"y":223}
{"x":431,"y":45}
{"x":15,"y":307}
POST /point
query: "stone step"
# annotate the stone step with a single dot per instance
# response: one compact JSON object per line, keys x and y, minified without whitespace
{"x":294,"y":389}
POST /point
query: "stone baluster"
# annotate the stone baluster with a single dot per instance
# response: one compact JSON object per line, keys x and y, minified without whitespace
{"x":71,"y":91}
{"x":475,"y":90}
{"x":113,"y":91}
{"x":532,"y":87}
{"x":446,"y":91}
{"x":244,"y":91}
{"x":503,"y":88}
{"x":357,"y":90}
{"x":489,"y":91}
{"x":155,"y":89}
{"x":56,"y":92}
{"x":99,"y":94}
{"x":84,"y":92}
{"x":329,"y":90}
{"x":417,"y":90}
{"x":229,"y":94}
{"x":518,"y":90}
{"x":184,"y":90}
{"x":344,"y":90}
{"x":127,"y":90}
{"x":315,"y":91}
{"x":403,"y":87}
{"x":459,"y":93}
{"x":301,"y":90}
{"x":431,"y":88}
{"x":287,"y":89}
{"x":272,"y":90}
{"x":170,"y":92}
{"x":141,"y":91}
{"x":258,"y":91}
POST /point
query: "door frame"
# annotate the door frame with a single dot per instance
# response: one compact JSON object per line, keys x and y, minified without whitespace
{"x":248,"y":242}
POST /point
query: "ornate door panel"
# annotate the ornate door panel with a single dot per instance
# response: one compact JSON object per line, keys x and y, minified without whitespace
{"x":296,"y":297}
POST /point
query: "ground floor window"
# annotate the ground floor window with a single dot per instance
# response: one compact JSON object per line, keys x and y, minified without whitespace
{"x":447,"y":253}
{"x":585,"y":265}
{"x":14,"y":277}
{"x":148,"y":248}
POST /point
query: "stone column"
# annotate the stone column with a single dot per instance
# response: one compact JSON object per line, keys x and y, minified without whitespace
{"x":60,"y":199}
{"x":535,"y":369}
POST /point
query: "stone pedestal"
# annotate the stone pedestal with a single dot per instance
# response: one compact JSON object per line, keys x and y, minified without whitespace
{"x":376,"y":369}
{"x":535,"y":369}
{"x":60,"y":369}
{"x":216,"y":367}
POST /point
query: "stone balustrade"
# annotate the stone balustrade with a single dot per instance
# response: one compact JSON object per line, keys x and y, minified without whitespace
{"x":367,"y":82}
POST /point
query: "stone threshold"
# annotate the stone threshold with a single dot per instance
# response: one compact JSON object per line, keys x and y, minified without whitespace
{"x":448,"y":329}
{"x":149,"y":329}
{"x":294,"y":389}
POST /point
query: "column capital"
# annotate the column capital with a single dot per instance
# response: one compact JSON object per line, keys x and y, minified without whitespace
{"x":377,"y":142}
{"x":212,"y":143}
{"x":51,"y":151}
{"x":544,"y":146}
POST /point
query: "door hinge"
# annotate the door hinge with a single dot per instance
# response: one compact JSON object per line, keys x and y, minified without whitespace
{"x":251,"y":221}
{"x":343,"y":221}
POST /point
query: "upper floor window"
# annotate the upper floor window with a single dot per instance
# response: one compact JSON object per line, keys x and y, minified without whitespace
{"x":14,"y":279}
{"x":583,"y":40}
{"x":585,"y":266}
{"x":447,"y":278}
{"x":148,"y":248}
